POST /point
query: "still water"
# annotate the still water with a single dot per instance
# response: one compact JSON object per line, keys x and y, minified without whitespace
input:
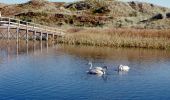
{"x":40,"y":71}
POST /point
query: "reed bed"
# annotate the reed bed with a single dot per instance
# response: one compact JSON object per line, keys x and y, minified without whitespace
{"x":137,"y":38}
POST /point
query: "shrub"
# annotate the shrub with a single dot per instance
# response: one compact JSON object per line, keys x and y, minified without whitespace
{"x":167,"y":15}
{"x":38,"y":2}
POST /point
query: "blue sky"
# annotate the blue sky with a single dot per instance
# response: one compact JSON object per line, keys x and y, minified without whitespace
{"x":165,"y":3}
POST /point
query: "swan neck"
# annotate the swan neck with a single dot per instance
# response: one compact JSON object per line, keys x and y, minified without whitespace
{"x":91,"y":65}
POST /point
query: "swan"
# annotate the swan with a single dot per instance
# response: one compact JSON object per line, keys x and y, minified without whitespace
{"x":96,"y":70}
{"x":91,"y":66}
{"x":123,"y":68}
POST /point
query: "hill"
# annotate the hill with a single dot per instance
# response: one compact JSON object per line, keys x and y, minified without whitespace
{"x":91,"y":13}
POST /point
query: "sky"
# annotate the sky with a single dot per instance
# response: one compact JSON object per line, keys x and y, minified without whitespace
{"x":165,"y":3}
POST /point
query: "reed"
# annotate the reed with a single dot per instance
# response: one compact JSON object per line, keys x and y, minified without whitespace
{"x":137,"y":38}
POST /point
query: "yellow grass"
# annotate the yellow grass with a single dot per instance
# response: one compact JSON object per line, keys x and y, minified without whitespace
{"x":138,"y":38}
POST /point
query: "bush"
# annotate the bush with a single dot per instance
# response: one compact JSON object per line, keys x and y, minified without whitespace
{"x":167,"y":15}
{"x":101,"y":10}
{"x":158,"y":16}
{"x":37,"y":2}
{"x":99,"y":6}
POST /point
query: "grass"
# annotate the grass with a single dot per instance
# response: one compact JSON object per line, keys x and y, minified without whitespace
{"x":137,"y":38}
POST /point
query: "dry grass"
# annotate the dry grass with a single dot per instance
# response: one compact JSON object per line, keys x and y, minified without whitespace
{"x":138,"y":38}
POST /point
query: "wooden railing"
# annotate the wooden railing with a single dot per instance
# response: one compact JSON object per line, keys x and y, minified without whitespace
{"x":11,"y":23}
{"x":6,"y":21}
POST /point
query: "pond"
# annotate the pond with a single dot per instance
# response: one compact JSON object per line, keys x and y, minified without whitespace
{"x":41,"y":71}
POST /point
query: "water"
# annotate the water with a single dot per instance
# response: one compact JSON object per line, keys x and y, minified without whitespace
{"x":38,"y":71}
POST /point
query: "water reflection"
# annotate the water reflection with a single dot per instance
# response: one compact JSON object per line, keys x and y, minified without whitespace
{"x":99,"y":55}
{"x":114,"y":53}
{"x":122,"y":73}
{"x":126,"y":56}
{"x":22,"y":47}
{"x":12,"y":48}
{"x":105,"y":78}
{"x":57,"y":72}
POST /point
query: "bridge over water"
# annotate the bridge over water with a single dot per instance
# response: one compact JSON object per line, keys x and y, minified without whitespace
{"x":11,"y":28}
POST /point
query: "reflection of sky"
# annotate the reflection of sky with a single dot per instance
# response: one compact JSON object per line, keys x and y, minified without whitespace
{"x":165,"y":3}
{"x":1,"y":60}
{"x":2,"y":56}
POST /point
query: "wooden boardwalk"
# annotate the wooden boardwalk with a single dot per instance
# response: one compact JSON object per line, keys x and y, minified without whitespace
{"x":16,"y":29}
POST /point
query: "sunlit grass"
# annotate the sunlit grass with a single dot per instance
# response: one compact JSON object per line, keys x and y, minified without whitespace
{"x":138,"y":38}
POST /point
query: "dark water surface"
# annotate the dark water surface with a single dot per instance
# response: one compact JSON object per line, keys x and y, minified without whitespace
{"x":44,"y":72}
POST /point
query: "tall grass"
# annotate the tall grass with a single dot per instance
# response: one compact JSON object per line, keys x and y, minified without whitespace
{"x":138,"y":38}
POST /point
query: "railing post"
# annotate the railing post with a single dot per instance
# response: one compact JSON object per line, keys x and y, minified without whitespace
{"x":0,"y":18}
{"x":41,"y":36}
{"x":0,"y":25}
{"x":53,"y":37}
{"x":34,"y":32}
{"x":8,"y":33}
{"x":26,"y":31}
{"x":46,"y":33}
{"x":47,"y":37}
{"x":18,"y":27}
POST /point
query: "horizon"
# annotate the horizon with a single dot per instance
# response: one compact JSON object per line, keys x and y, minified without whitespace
{"x":164,"y":3}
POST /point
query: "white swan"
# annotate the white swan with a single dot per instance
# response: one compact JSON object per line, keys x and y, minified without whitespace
{"x":96,"y":70}
{"x":91,"y":66}
{"x":123,"y":68}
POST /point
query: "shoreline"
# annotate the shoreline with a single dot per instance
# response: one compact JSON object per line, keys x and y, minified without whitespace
{"x":121,"y":37}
